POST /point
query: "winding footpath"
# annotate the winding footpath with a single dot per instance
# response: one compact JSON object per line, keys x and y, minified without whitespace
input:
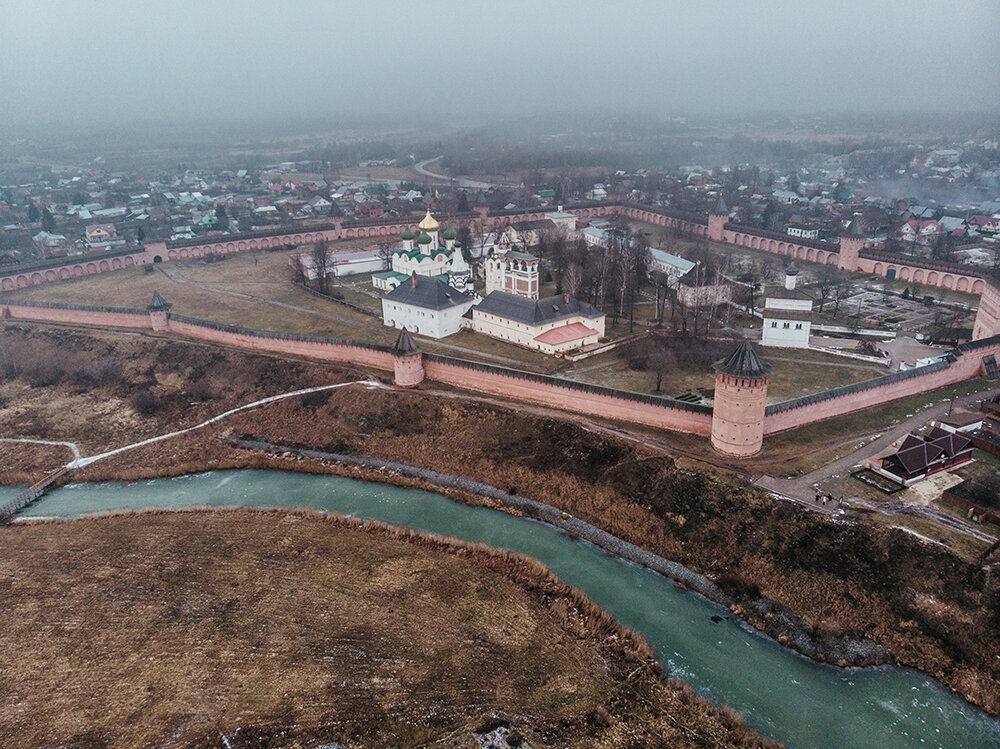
{"x":81,"y":462}
{"x":71,"y":445}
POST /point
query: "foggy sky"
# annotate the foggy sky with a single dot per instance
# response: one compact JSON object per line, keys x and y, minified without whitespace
{"x":111,"y":62}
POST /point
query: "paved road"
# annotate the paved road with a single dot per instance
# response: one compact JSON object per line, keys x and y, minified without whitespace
{"x":421,"y":168}
{"x":803,"y":488}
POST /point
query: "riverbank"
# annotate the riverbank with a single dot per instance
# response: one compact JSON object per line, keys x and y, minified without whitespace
{"x":786,"y":571}
{"x":301,"y":627}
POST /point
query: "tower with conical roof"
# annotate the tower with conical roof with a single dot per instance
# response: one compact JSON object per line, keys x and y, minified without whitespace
{"x":740,"y":400}
{"x":159,"y":313}
{"x":851,"y":244}
{"x":717,"y":219}
{"x":407,"y":361}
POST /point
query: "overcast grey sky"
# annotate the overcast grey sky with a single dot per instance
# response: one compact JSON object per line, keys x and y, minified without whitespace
{"x":119,"y":62}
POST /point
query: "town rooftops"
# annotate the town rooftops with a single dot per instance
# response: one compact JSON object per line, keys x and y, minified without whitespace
{"x":535,"y":311}
{"x":744,"y":362}
{"x":427,"y":292}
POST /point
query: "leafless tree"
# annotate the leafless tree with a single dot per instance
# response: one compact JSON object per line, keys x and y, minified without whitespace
{"x":299,"y":267}
{"x":572,"y":276}
{"x":840,"y":292}
{"x":825,"y":283}
{"x":386,"y":248}
{"x":322,"y":264}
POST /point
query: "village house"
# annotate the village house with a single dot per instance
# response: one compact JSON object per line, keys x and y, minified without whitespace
{"x":805,"y":232}
{"x":427,"y":306}
{"x":919,"y":232}
{"x":919,"y":457}
{"x":100,"y":233}
{"x":552,"y":325}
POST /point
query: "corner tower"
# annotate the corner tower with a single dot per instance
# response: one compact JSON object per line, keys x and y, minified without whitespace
{"x":740,"y":399}
{"x":407,"y":361}
{"x":717,"y":219}
{"x":159,"y":313}
{"x":851,"y":245}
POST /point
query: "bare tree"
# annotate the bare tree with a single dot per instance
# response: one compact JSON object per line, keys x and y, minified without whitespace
{"x":571,"y":278}
{"x":299,"y":267}
{"x":386,"y":249}
{"x":825,"y":283}
{"x":840,"y":292}
{"x":322,"y":264}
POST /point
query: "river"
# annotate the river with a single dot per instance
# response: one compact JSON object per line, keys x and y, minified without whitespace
{"x":782,"y":694}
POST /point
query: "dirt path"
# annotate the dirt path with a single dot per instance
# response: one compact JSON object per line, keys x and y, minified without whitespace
{"x":71,"y":445}
{"x":81,"y":462}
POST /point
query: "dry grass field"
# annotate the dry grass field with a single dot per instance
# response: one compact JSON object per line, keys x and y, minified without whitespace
{"x":843,"y":579}
{"x":244,"y":628}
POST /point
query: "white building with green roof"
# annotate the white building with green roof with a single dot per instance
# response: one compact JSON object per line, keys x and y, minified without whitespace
{"x":430,"y":253}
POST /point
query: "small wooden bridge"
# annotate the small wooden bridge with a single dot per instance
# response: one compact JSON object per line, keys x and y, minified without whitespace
{"x":33,"y":492}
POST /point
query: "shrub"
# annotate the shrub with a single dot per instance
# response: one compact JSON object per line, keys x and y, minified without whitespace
{"x":144,"y":402}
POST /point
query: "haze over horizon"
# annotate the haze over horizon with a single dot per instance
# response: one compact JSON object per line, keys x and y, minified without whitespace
{"x":120,"y":64}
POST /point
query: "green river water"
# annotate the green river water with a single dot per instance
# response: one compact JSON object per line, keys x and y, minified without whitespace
{"x":783,"y":695}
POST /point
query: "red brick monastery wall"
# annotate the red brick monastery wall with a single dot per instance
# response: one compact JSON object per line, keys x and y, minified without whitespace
{"x":522,"y":386}
{"x":568,"y":398}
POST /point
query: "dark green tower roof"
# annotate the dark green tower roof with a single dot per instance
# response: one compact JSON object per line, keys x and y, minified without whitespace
{"x":405,"y":343}
{"x":158,"y":303}
{"x":744,"y":362}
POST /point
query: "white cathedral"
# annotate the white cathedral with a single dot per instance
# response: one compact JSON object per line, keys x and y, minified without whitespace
{"x":428,"y":258}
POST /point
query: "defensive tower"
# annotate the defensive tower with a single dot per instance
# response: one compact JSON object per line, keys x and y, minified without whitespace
{"x":717,"y":219}
{"x":851,"y":245}
{"x":407,"y":361}
{"x":740,"y":399}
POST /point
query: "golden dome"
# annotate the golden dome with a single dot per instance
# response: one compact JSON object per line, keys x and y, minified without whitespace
{"x":428,"y":223}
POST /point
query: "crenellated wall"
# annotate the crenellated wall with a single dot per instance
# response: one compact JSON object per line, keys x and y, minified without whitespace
{"x":409,"y":369}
